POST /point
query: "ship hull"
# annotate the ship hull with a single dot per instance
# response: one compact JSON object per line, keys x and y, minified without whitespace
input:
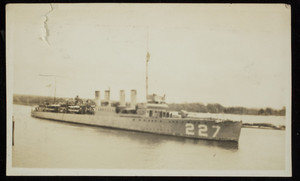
{"x":209,"y":129}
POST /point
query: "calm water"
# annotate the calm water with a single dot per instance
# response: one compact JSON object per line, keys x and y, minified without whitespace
{"x":50,"y":144}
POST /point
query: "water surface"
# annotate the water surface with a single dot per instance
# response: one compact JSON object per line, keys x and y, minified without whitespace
{"x":41,"y":143}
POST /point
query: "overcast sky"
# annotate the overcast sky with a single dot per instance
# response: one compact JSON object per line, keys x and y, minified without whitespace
{"x":235,"y":55}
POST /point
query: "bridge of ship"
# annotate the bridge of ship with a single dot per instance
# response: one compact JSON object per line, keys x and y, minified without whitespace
{"x":154,"y":108}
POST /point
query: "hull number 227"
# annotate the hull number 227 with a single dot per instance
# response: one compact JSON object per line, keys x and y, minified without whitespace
{"x":202,"y":130}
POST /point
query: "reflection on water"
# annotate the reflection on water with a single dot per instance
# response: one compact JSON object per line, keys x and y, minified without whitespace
{"x":41,"y":143}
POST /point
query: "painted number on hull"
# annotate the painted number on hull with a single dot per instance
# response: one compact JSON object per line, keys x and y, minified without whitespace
{"x":189,"y":129}
{"x":217,"y":130}
{"x":202,"y":130}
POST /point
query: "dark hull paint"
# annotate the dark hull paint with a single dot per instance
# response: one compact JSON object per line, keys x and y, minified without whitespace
{"x":209,"y":129}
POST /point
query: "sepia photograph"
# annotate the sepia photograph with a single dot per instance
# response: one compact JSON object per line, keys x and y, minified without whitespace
{"x":121,"y":89}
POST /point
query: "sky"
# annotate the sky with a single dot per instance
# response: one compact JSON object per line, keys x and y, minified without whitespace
{"x":232,"y":54}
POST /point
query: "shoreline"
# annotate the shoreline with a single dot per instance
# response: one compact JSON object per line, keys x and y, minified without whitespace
{"x":245,"y":125}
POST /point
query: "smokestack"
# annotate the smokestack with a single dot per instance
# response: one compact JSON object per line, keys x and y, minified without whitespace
{"x":122,"y":98}
{"x":107,"y":97}
{"x":97,"y":98}
{"x":133,"y":99}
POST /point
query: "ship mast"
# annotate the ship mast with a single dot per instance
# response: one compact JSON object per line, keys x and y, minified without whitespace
{"x":55,"y":76}
{"x":147,"y":60}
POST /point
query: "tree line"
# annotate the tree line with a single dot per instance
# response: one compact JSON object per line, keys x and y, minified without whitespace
{"x":190,"y":107}
{"x":37,"y":100}
{"x":218,"y":108}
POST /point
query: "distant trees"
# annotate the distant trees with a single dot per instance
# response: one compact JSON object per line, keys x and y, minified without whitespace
{"x":218,"y":108}
{"x":32,"y":100}
{"x":270,"y":111}
{"x":37,"y":100}
{"x":215,"y":108}
{"x":190,"y":107}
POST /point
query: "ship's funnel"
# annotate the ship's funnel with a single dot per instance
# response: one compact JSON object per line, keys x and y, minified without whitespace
{"x":122,"y":98}
{"x":97,"y":98}
{"x":133,"y":99}
{"x":107,"y":97}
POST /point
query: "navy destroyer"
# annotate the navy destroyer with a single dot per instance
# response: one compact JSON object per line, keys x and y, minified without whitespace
{"x":152,"y":116}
